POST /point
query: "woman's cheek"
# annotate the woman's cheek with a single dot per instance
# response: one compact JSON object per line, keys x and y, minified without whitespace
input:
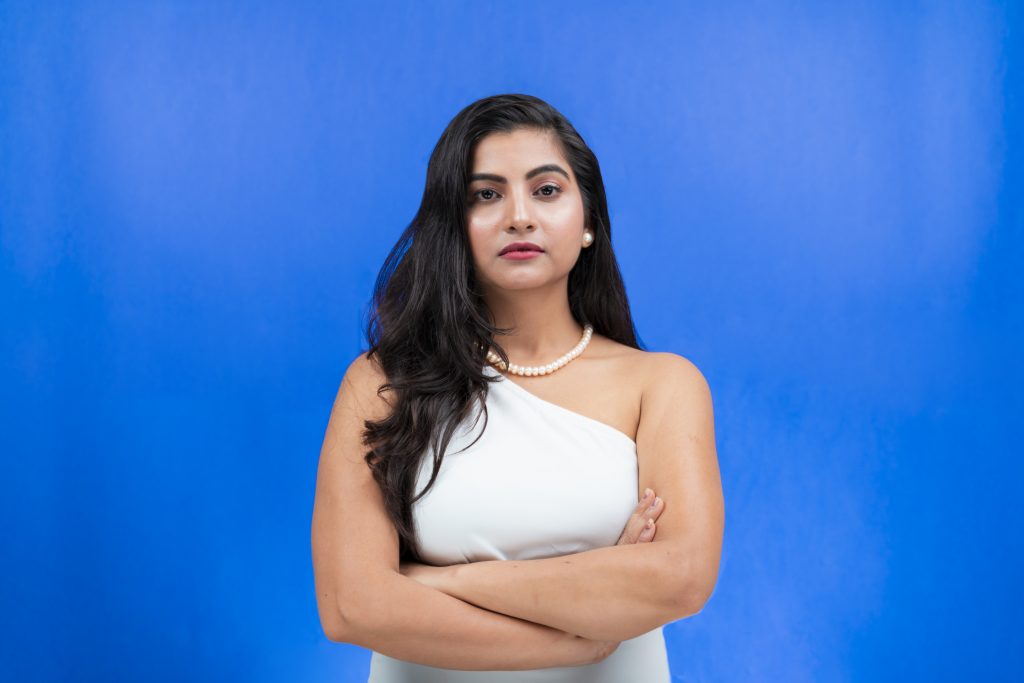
{"x":565,"y":213}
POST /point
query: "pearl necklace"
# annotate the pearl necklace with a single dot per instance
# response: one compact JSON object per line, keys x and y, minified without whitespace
{"x":531,"y":371}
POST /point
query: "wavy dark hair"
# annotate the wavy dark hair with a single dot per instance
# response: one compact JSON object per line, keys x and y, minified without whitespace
{"x":428,"y":325}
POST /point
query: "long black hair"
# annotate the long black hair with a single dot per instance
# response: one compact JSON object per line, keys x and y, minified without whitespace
{"x":429,"y":326}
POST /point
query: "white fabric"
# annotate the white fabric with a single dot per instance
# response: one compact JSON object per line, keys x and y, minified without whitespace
{"x":542,"y":481}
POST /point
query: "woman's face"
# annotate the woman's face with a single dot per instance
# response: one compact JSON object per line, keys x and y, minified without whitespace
{"x":523,"y":190}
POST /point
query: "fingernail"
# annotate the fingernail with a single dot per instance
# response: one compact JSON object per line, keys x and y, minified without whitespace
{"x":649,"y":525}
{"x":647,"y":493}
{"x":655,"y":503}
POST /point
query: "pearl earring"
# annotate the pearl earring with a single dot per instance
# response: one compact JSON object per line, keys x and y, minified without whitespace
{"x":587,"y":239}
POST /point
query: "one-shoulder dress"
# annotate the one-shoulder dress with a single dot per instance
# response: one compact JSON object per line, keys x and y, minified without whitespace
{"x":541,"y":481}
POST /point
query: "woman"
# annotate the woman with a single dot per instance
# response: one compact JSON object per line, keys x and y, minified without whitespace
{"x":476,"y":514}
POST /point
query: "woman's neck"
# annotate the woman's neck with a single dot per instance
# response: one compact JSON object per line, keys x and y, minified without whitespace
{"x":544,"y":327}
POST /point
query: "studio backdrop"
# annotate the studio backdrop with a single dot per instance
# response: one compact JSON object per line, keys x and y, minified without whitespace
{"x":818,"y":204}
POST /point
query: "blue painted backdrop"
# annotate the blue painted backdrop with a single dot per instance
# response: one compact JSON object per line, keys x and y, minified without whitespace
{"x":817,"y":203}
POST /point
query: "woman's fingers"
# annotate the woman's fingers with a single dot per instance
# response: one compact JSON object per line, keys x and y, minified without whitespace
{"x":647,"y":532}
{"x":641,"y":525}
{"x":648,"y":519}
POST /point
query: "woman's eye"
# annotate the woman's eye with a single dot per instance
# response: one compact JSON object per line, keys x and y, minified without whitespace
{"x":487,"y":194}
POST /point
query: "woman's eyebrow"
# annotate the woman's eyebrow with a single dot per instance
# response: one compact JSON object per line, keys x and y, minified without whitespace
{"x":537,"y":171}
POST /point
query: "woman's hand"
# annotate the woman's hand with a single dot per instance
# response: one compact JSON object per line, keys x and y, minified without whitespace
{"x":641,"y":525}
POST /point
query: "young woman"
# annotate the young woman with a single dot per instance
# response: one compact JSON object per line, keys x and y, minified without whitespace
{"x":476,"y":513}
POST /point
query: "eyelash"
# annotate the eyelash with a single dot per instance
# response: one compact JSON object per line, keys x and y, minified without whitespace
{"x":556,"y":188}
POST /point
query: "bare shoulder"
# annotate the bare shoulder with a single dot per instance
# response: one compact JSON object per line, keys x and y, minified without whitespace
{"x":359,"y":399}
{"x":676,"y":393}
{"x":360,"y":390}
{"x":667,"y":372}
{"x":652,"y":372}
{"x":365,"y":371}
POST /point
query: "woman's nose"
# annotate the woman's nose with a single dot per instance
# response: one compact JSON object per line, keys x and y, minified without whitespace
{"x":520,"y":205}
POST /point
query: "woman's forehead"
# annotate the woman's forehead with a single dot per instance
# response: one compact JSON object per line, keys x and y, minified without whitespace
{"x":517,"y":142}
{"x":520,"y":148}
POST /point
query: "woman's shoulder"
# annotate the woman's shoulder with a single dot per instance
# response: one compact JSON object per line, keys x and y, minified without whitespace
{"x":673,"y":366}
{"x":672,"y":381}
{"x":361,"y":387}
{"x":655,"y":371}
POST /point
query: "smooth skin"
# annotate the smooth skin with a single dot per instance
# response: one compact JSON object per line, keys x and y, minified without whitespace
{"x":557,"y":611}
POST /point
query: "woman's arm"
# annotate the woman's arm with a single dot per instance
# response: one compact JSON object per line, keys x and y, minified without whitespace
{"x":620,"y":592}
{"x":488,"y":583}
{"x":406,"y":620}
{"x":416,"y":619}
{"x":613,"y":593}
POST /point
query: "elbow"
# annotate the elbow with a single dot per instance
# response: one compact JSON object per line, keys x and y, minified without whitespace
{"x":345,"y":624}
{"x":686,"y":601}
{"x":688,"y":595}
{"x":335,"y":626}
{"x":357,"y":614}
{"x":696,"y":601}
{"x":335,"y":634}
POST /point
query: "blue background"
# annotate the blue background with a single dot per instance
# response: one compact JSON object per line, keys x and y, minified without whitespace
{"x":819,"y":204}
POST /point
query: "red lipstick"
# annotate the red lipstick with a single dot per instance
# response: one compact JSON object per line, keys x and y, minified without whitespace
{"x":520,"y":250}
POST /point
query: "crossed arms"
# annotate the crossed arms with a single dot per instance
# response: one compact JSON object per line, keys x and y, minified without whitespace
{"x":622,"y":591}
{"x":524,"y":614}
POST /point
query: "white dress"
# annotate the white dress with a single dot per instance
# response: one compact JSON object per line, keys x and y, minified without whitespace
{"x":542,"y":481}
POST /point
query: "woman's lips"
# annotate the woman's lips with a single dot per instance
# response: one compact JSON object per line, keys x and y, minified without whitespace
{"x":520,"y":255}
